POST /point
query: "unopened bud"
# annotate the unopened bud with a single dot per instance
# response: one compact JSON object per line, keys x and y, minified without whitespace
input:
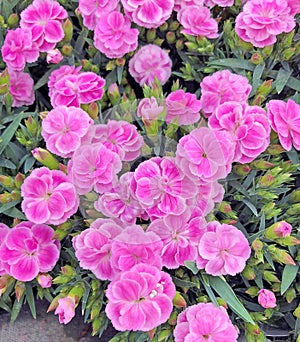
{"x":13,"y":20}
{"x":67,"y":50}
{"x":44,"y":280}
{"x":256,"y":58}
{"x":278,"y":230}
{"x":151,"y":35}
{"x":171,"y":37}
{"x":173,"y":318}
{"x":290,"y":295}
{"x":241,"y":170}
{"x":252,"y":291}
{"x":270,"y":277}
{"x":7,"y":181}
{"x":151,"y":333}
{"x":45,"y":158}
{"x":248,"y":273}
{"x":92,"y":109}
{"x":179,"y":301}
{"x":68,"y":30}
{"x":280,"y":255}
{"x":19,"y":290}
{"x":288,"y":53}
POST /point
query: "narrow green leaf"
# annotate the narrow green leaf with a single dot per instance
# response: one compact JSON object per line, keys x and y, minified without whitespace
{"x":85,"y":296}
{"x":16,"y":309}
{"x":7,"y":164}
{"x":288,"y":276}
{"x":42,"y":81}
{"x":191,"y":265}
{"x":209,"y":291}
{"x":9,"y":132}
{"x":256,"y":79}
{"x":30,"y":299}
{"x":250,"y":206}
{"x":120,"y":73}
{"x":15,"y":213}
{"x":183,"y":283}
{"x":281,"y":80}
{"x":9,"y":205}
{"x":293,"y":83}
{"x":233,"y":63}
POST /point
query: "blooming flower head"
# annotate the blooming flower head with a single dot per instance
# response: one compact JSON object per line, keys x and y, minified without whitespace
{"x":44,"y":18}
{"x":113,"y":35}
{"x":266,"y":298}
{"x":4,"y":229}
{"x":220,"y":3}
{"x":262,"y":20}
{"x":54,"y":56}
{"x":29,"y":249}
{"x":149,"y":62}
{"x":48,"y":197}
{"x":205,"y":322}
{"x":180,"y":4}
{"x":149,"y":14}
{"x":65,"y":309}
{"x":284,"y":118}
{"x":18,"y":49}
{"x":149,"y":110}
{"x":140,"y":299}
{"x":63,"y":129}
{"x":220,"y":87}
{"x":60,"y":73}
{"x":182,"y":106}
{"x":225,"y":248}
{"x":21,"y":88}
{"x":294,"y":6}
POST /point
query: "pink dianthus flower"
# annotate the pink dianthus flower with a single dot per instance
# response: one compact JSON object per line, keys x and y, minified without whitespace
{"x":21,"y":88}
{"x":54,"y":56}
{"x":266,"y":298}
{"x":4,"y":229}
{"x":60,"y":73}
{"x":180,"y":4}
{"x":294,"y":6}
{"x":220,"y":3}
{"x":65,"y":309}
{"x":149,"y":110}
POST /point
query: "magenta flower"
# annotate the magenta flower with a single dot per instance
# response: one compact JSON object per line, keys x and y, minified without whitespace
{"x":44,"y":18}
{"x":29,"y":249}
{"x":204,"y":322}
{"x":57,"y":75}
{"x":4,"y":229}
{"x":284,"y":118}
{"x":282,"y":229}
{"x":149,"y":62}
{"x":262,"y":20}
{"x":182,"y":106}
{"x":266,"y":298}
{"x":63,"y":129}
{"x":220,"y":87}
{"x":149,"y":14}
{"x":197,"y":21}
{"x":220,"y":3}
{"x":18,"y":49}
{"x":225,"y":248}
{"x":180,"y":4}
{"x":65,"y":309}
{"x":294,"y":6}
{"x":140,"y":299}
{"x":113,"y":35}
{"x":149,"y":110}
{"x":54,"y":56}
{"x":21,"y":88}
{"x":44,"y":280}
{"x":48,"y":197}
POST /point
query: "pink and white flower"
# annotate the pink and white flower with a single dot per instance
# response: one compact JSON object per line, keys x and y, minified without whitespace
{"x":180,"y":4}
{"x":220,"y":3}
{"x":149,"y":110}
{"x":4,"y":229}
{"x":54,"y":56}
{"x":65,"y":309}
{"x":266,"y":298}
{"x":21,"y":88}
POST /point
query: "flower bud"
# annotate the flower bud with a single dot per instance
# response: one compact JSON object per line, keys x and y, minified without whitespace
{"x":290,"y":295}
{"x":96,"y":308}
{"x":294,"y":210}
{"x":265,"y":88}
{"x":252,"y":291}
{"x":5,"y":281}
{"x":13,"y":21}
{"x":270,"y":277}
{"x":287,"y":54}
{"x":174,"y":25}
{"x":295,"y":196}
{"x":179,"y":301}
{"x":7,"y":181}
{"x":171,"y":37}
{"x":280,"y":255}
{"x":164,"y":27}
{"x":266,"y":298}
{"x":296,"y":313}
{"x":241,"y":170}
{"x":179,"y":44}
{"x":114,"y":94}
{"x":54,"y":56}
{"x":68,"y":30}
{"x":248,"y":273}
{"x":151,"y":333}
{"x":275,"y":150}
{"x":262,"y":164}
{"x":267,"y":50}
{"x":173,"y":318}
{"x":31,"y":125}
{"x":92,"y":109}
{"x":67,"y":50}
{"x":151,"y":35}
{"x":158,"y":41}
{"x":278,"y":230}
{"x":19,"y":290}
{"x":45,"y":158}
{"x":44,"y":280}
{"x":256,"y":58}
{"x":68,"y":270}
{"x":288,"y":241}
{"x":222,"y":302}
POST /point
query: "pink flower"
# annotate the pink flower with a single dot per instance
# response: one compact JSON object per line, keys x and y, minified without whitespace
{"x":18,"y":49}
{"x":21,"y":88}
{"x":149,"y":14}
{"x":113,"y":35}
{"x":59,"y":74}
{"x":182,"y":106}
{"x":48,"y":197}
{"x":149,"y":62}
{"x":220,"y":87}
{"x":29,"y":249}
{"x":140,"y":299}
{"x":149,"y":110}
{"x":284,"y":118}
{"x":225,"y":248}
{"x":93,"y":166}
{"x":44,"y":18}
{"x":4,"y":229}
{"x":44,"y":280}
{"x":220,"y":3}
{"x":196,"y":21}
{"x":65,"y":309}
{"x":180,"y":4}
{"x":54,"y":56}
{"x":294,"y":6}
{"x":266,"y":298}
{"x":262,"y":20}
{"x":92,"y":10}
{"x":204,"y":322}
{"x":63,"y":129}
{"x":282,"y":229}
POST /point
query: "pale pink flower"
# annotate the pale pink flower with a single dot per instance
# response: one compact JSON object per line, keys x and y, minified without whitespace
{"x":282,"y":229}
{"x":262,"y":20}
{"x":65,"y":309}
{"x":18,"y":49}
{"x":44,"y":280}
{"x":149,"y":110}
{"x":54,"y":56}
{"x":284,"y":118}
{"x":197,"y":21}
{"x":225,"y":248}
{"x":149,"y":14}
{"x":220,"y":87}
{"x":140,"y":299}
{"x":182,"y":106}
{"x":4,"y":229}
{"x":92,"y":10}
{"x":48,"y":197}
{"x":29,"y":249}
{"x":63,"y":129}
{"x":113,"y":35}
{"x":248,"y":126}
{"x":294,"y":6}
{"x":266,"y":298}
{"x":180,"y":4}
{"x":149,"y":62}
{"x":44,"y":18}
{"x":93,"y":166}
{"x":204,"y":322}
{"x":220,"y":3}
{"x":60,"y":73}
{"x":21,"y":88}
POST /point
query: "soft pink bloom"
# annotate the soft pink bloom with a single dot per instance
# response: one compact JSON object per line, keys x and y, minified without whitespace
{"x":113,"y":35}
{"x":284,"y":118}
{"x":294,"y":6}
{"x":266,"y":298}
{"x":18,"y":49}
{"x":225,"y":248}
{"x":4,"y":229}
{"x":262,"y":20}
{"x":220,"y":87}
{"x":48,"y":197}
{"x":149,"y":110}
{"x":93,"y":166}
{"x":282,"y":229}
{"x":65,"y":309}
{"x":182,"y":106}
{"x":220,"y":3}
{"x":149,"y":62}
{"x":197,"y":21}
{"x":92,"y":10}
{"x":149,"y":14}
{"x":54,"y":56}
{"x":93,"y":247}
{"x":44,"y":18}
{"x":63,"y":129}
{"x":29,"y":249}
{"x":180,"y":4}
{"x":57,"y":75}
{"x":248,"y":126}
{"x":204,"y":322}
{"x":21,"y":88}
{"x":162,"y":188}
{"x":140,"y":299}
{"x":44,"y":280}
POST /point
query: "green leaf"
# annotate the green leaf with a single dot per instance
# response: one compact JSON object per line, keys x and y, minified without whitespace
{"x":15,"y":213}
{"x":191,"y":265}
{"x":7,"y":163}
{"x":233,"y":63}
{"x":9,"y":205}
{"x":251,"y":206}
{"x":9,"y":132}
{"x":226,"y":292}
{"x":183,"y":283}
{"x":16,"y":309}
{"x":209,"y":291}
{"x":85,"y":296}
{"x":282,"y":79}
{"x":42,"y":81}
{"x":256,"y":79}
{"x":30,"y":299}
{"x":120,"y":73}
{"x":288,"y":276}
